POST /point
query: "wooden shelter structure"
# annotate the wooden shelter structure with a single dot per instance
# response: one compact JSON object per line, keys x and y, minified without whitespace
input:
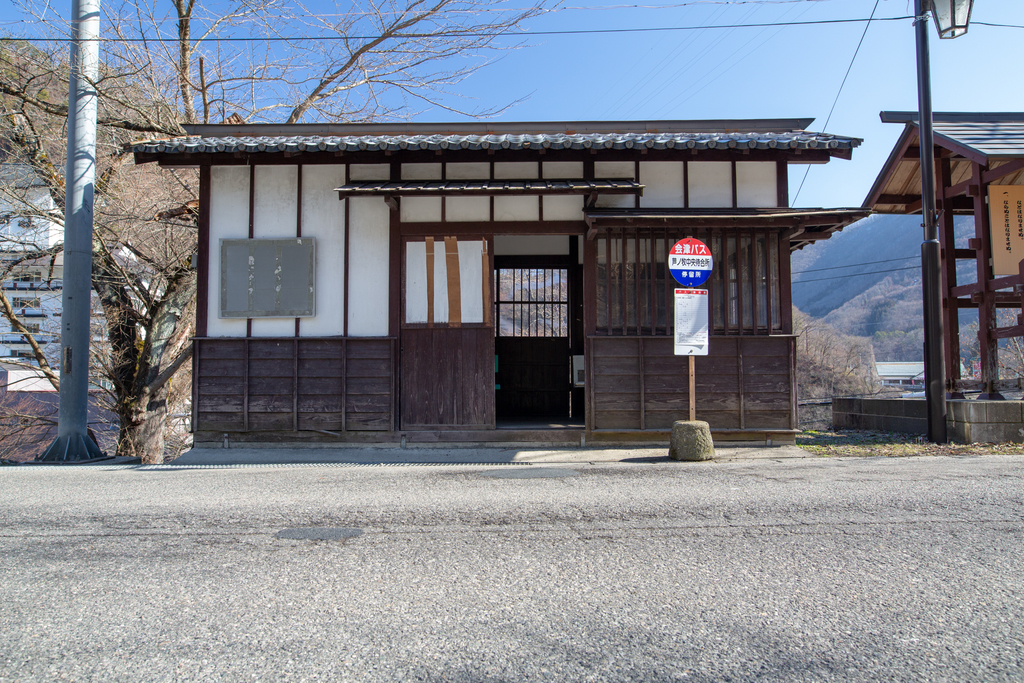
{"x":979,"y":161}
{"x":492,"y":282}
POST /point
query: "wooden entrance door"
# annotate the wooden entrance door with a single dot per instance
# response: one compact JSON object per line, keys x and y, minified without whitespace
{"x":533,"y":324}
{"x":447,"y":336}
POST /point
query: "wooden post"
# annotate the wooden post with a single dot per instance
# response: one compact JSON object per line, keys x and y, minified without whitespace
{"x":693,"y":398}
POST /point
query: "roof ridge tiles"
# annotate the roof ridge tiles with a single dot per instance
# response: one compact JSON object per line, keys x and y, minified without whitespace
{"x":438,"y":141}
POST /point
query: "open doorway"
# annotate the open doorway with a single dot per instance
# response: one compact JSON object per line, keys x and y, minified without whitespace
{"x":534,"y":297}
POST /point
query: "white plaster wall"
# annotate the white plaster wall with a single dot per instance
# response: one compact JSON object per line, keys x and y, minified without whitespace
{"x":563,"y":208}
{"x":420,"y":209}
{"x":516,"y":208}
{"x":421,"y":171}
{"x":369,"y":240}
{"x":615,"y":169}
{"x":531,"y":245}
{"x":275,"y":204}
{"x":462,"y":209}
{"x":553,"y":170}
{"x":515,"y":170}
{"x":440,"y":281}
{"x":471,"y":280}
{"x":323,"y":217}
{"x":710,"y":184}
{"x":756,"y":184}
{"x":229,"y":219}
{"x":416,"y":282}
{"x":468,"y":171}
{"x":369,"y":172}
{"x":663,"y":184}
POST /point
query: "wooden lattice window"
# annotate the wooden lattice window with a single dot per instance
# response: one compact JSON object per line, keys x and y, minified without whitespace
{"x":532,"y":302}
{"x":635,"y":289}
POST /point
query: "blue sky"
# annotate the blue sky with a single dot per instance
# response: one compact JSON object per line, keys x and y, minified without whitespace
{"x":793,"y":71}
{"x":757,"y":73}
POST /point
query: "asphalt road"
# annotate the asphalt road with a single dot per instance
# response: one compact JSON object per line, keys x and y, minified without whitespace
{"x":798,"y":570}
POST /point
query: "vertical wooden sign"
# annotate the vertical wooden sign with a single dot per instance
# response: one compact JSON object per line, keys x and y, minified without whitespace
{"x":1006,"y":225}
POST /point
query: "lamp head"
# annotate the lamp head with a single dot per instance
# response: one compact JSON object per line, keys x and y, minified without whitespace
{"x":951,"y":16}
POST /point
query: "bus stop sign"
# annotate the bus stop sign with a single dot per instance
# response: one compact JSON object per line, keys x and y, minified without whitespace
{"x":689,"y":261}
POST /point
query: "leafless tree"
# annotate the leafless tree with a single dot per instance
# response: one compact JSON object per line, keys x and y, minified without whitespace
{"x":168,"y":64}
{"x":829,"y":364}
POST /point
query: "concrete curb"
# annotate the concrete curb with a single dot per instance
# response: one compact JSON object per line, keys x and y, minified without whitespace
{"x":377,"y":455}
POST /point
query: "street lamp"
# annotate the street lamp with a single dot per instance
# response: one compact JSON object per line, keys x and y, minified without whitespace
{"x":951,"y":18}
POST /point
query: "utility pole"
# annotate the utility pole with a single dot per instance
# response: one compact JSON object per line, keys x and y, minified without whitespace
{"x":934,"y":372}
{"x":73,"y":443}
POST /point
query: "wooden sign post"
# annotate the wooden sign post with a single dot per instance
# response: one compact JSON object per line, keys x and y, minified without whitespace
{"x":693,"y":392}
{"x":690,"y":263}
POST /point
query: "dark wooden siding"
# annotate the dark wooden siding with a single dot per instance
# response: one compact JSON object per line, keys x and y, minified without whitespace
{"x":293,"y":384}
{"x":744,"y":383}
{"x":448,"y":378}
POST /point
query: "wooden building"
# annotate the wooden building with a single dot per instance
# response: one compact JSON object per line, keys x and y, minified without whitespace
{"x":979,"y":165}
{"x":492,"y":282}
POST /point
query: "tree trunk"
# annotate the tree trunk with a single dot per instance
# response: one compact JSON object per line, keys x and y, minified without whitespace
{"x":142,"y":432}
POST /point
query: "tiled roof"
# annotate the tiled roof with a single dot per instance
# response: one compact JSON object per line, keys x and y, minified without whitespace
{"x":271,"y":144}
{"x":991,"y":134}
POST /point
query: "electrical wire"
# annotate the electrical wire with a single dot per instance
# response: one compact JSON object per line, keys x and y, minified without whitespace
{"x":838,"y":94}
{"x":873,"y":272}
{"x":710,"y":77}
{"x":483,"y":34}
{"x":854,"y":265}
{"x":625,"y":96}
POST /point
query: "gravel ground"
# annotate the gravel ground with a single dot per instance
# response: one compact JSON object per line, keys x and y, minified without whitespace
{"x":846,"y":569}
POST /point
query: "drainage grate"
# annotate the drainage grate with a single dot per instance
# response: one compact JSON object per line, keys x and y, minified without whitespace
{"x":172,"y":467}
{"x":319,"y":533}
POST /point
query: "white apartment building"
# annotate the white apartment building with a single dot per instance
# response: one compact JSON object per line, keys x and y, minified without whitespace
{"x":32,"y":287}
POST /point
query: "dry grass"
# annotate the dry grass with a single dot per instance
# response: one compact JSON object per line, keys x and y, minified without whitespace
{"x":889,"y":444}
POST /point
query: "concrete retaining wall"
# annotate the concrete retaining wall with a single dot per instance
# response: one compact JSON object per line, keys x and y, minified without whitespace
{"x":907,"y":415}
{"x":967,"y":421}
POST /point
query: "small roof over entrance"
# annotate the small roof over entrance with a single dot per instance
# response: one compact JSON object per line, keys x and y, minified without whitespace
{"x":439,"y":188}
{"x":807,"y":225}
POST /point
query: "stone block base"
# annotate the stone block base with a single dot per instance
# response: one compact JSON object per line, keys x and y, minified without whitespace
{"x":691,"y":441}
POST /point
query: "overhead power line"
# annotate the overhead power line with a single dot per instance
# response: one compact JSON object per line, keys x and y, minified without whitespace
{"x":873,"y":272}
{"x":490,"y":34}
{"x":840,"y":92}
{"x":855,"y":265}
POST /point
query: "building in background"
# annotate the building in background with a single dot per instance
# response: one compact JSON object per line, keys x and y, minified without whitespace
{"x":32,"y":287}
{"x":899,"y":374}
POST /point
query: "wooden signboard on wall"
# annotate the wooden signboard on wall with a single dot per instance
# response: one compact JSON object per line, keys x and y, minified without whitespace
{"x":1006,"y":222}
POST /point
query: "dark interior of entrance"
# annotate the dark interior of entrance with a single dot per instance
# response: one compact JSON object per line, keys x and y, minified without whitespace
{"x":538,"y":320}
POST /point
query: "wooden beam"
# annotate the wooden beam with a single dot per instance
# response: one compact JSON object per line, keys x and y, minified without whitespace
{"x":1004,"y":170}
{"x":203,"y":256}
{"x":899,"y":199}
{"x":1008,"y":332}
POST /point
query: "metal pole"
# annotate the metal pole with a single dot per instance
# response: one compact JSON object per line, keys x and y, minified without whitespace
{"x":935,"y":384}
{"x":73,"y":442}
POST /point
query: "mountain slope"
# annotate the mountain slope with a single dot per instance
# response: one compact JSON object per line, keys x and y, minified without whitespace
{"x":866,"y":282}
